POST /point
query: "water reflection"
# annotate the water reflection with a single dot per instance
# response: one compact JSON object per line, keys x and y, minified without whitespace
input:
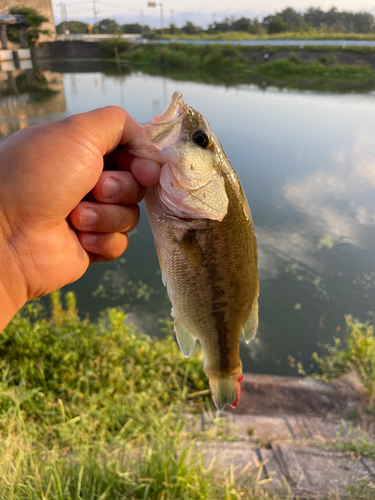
{"x":307,"y":164}
{"x":28,"y":96}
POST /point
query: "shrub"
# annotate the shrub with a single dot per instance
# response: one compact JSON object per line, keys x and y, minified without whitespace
{"x":357,"y":354}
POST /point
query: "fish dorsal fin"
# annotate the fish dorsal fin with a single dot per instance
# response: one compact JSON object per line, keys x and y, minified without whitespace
{"x":251,"y":326}
{"x":185,"y":340}
{"x":161,"y":266}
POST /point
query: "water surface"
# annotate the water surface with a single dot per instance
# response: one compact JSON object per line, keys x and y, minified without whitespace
{"x":307,"y":164}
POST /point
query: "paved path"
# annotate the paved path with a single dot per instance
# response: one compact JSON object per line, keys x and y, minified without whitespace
{"x":284,"y":445}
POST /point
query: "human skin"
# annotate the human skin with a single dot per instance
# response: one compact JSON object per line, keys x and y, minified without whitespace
{"x":60,"y":211}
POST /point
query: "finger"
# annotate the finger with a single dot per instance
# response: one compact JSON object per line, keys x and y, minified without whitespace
{"x":104,"y":218}
{"x":147,"y":172}
{"x":104,"y":247}
{"x":105,"y":128}
{"x":118,"y":187}
{"x":109,"y":161}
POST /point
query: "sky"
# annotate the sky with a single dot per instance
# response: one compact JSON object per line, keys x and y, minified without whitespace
{"x":201,"y":13}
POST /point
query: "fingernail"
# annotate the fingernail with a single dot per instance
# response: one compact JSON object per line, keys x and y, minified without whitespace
{"x":89,"y":239}
{"x":110,"y":188}
{"x":88,"y":218}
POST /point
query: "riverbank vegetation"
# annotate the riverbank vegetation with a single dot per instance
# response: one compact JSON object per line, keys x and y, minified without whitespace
{"x":314,"y":68}
{"x":96,"y":411}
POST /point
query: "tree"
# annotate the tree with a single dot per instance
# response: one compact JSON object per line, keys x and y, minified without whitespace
{"x":108,"y":26}
{"x":242,"y":24}
{"x":275,"y":24}
{"x":314,"y":17}
{"x":33,"y":20}
{"x":134,"y":28}
{"x":75,"y":27}
{"x":363,"y":22}
{"x":191,"y":29}
{"x":292,"y":18}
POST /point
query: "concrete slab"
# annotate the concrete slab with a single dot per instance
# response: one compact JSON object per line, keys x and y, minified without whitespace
{"x":310,"y":468}
{"x":241,"y":459}
{"x":272,"y":470}
{"x":298,"y":427}
{"x":369,"y":463}
{"x":263,"y":427}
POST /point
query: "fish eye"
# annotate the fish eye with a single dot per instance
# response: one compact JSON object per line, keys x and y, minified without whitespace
{"x":201,"y":138}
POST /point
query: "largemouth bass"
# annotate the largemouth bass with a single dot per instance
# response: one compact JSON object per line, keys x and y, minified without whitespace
{"x":205,"y":241}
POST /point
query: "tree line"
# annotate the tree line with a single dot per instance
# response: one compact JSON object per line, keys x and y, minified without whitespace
{"x":287,"y":20}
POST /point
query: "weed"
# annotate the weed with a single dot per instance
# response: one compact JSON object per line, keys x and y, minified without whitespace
{"x":250,"y":431}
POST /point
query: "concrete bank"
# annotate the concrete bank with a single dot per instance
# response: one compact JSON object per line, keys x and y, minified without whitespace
{"x":275,"y":432}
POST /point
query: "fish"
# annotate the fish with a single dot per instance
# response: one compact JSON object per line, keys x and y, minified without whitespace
{"x":205,"y":242}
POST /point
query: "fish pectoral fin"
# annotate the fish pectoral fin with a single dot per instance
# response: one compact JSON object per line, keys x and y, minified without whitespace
{"x":185,"y":340}
{"x":250,"y":329}
{"x":161,"y":265}
{"x":191,"y":250}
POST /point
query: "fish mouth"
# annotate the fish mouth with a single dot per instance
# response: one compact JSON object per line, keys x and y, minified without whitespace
{"x":163,"y":125}
{"x":173,"y":111}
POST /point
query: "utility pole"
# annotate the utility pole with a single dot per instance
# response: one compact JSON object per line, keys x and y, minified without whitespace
{"x":95,"y":14}
{"x":66,"y":20}
{"x":172,"y":17}
{"x":162,"y":18}
{"x":153,"y":4}
{"x":63,"y":17}
{"x":142,"y":24}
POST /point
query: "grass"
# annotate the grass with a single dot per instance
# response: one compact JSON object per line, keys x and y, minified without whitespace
{"x":356,"y":354}
{"x":295,"y":67}
{"x":94,"y":411}
{"x":289,"y":35}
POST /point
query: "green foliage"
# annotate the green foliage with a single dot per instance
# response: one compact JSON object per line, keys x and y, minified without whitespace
{"x":107,"y":46}
{"x":358,"y":355}
{"x":363,"y":490}
{"x":275,"y":25}
{"x":134,"y":28}
{"x":183,"y":56}
{"x":107,"y":366}
{"x":74,"y":27}
{"x":107,"y":27}
{"x":355,"y":447}
{"x":284,"y":68}
{"x":293,"y":58}
{"x":93,"y":411}
{"x":33,"y":20}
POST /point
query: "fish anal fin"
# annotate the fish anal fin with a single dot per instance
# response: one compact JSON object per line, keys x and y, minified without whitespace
{"x":161,"y":265}
{"x":250,"y":328}
{"x":185,"y":340}
{"x":225,"y":391}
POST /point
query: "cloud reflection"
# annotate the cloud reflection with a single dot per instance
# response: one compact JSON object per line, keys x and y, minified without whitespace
{"x":336,"y":202}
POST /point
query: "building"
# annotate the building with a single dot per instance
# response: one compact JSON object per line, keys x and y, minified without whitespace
{"x":44,"y":7}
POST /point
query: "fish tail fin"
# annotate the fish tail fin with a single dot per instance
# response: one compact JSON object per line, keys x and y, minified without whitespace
{"x":225,"y":391}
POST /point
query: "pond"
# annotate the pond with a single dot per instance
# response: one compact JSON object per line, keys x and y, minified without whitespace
{"x":306,"y":161}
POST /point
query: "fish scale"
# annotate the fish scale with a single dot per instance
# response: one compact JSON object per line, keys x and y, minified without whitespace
{"x":208,"y":261}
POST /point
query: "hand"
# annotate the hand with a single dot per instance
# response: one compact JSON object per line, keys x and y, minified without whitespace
{"x":48,"y":236}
